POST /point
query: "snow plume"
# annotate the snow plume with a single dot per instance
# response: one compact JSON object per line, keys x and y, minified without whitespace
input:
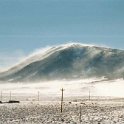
{"x":20,"y":58}
{"x":48,"y":50}
{"x":8,"y":60}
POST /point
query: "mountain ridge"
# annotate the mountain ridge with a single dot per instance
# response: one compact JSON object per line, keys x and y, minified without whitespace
{"x":68,"y":61}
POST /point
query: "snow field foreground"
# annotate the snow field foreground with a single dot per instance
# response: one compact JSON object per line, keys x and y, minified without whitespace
{"x":49,"y":113}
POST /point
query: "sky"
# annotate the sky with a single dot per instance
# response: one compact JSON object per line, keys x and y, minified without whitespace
{"x":26,"y":25}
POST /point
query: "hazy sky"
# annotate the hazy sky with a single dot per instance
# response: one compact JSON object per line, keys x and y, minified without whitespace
{"x":29,"y":24}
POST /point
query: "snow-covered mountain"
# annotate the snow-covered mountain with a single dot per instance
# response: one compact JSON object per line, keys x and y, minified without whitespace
{"x":69,"y":61}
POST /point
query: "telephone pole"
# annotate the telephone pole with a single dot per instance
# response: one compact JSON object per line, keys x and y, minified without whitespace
{"x":10,"y":95}
{"x":62,"y":100}
{"x":1,"y":96}
{"x":89,"y":95}
{"x":80,"y":113}
{"x":38,"y":96}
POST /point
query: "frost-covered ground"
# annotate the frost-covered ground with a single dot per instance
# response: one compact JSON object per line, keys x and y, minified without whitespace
{"x":100,"y":112}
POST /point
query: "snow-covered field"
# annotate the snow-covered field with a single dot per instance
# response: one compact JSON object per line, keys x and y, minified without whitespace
{"x":106,"y":105}
{"x":101,"y":112}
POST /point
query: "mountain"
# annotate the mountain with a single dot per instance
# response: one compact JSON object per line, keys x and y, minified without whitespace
{"x":68,"y":61}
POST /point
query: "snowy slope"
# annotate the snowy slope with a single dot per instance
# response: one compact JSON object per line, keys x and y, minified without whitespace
{"x":68,"y":61}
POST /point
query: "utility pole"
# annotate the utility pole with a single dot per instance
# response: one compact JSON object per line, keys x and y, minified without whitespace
{"x":38,"y":96}
{"x":62,"y":100}
{"x":80,"y":113}
{"x":1,"y":95}
{"x":89,"y":95}
{"x":10,"y":96}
